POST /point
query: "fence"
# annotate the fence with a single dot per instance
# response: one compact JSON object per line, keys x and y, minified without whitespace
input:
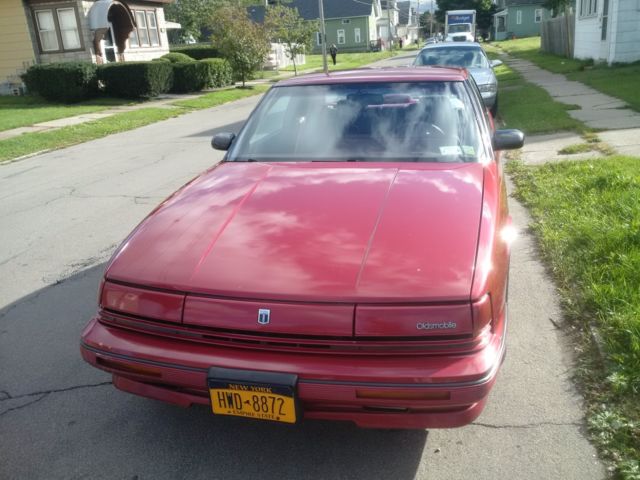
{"x":558,"y":35}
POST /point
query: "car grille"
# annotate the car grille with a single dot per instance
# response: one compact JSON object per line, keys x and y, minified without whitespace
{"x":292,"y":343}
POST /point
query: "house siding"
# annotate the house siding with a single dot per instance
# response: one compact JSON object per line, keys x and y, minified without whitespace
{"x":16,"y":50}
{"x":528,"y":27}
{"x":587,"y":42}
{"x":626,"y":47}
{"x":333,"y":25}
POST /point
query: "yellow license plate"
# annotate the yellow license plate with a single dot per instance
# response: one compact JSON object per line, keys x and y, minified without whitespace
{"x":250,"y":401}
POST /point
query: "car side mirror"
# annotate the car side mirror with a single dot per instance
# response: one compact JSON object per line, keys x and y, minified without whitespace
{"x":222,"y":141}
{"x":495,"y":63}
{"x":510,"y":139}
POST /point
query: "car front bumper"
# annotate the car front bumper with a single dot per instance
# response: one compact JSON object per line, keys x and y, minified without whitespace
{"x":428,"y":391}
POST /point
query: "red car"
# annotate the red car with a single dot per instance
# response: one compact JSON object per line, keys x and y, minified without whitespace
{"x":347,"y":260}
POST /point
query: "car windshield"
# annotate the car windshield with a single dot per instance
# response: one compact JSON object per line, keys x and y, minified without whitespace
{"x":426,"y":121}
{"x":464,"y":57}
{"x":459,"y":28}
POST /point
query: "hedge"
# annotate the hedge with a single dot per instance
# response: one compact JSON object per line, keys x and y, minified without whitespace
{"x":177,"y":57}
{"x":136,"y":79}
{"x":190,"y":76}
{"x":66,"y":82}
{"x":220,"y":72}
{"x":198,"y":52}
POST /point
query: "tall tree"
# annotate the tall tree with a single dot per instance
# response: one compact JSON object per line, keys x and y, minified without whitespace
{"x":243,"y":43}
{"x":285,"y":25}
{"x":194,"y":15}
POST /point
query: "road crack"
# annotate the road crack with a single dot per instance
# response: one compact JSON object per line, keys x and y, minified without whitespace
{"x":8,"y":396}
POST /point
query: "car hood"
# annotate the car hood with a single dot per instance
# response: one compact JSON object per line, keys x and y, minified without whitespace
{"x":483,"y":76}
{"x":313,"y":232}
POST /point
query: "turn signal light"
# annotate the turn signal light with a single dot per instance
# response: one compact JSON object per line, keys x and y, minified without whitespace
{"x":482,"y":313}
{"x":124,"y":367}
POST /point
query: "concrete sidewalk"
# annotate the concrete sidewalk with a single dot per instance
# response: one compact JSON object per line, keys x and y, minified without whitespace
{"x":619,"y":124}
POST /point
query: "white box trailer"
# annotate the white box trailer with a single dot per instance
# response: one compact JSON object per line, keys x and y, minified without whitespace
{"x":460,"y":26}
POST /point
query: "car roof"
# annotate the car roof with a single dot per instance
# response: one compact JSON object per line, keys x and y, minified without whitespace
{"x":435,"y":46}
{"x":373,"y":75}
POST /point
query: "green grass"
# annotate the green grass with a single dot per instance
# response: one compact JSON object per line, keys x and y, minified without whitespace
{"x":586,"y":215}
{"x":345,"y":61}
{"x":530,"y":108}
{"x":577,"y":148}
{"x":29,"y":143}
{"x":620,"y":81}
{"x":26,"y":110}
{"x":221,"y":96}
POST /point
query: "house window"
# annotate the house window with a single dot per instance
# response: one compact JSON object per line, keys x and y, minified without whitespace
{"x":341,"y":37}
{"x":501,"y":25}
{"x":537,"y":16}
{"x":318,"y":38}
{"x":146,"y":34}
{"x":605,"y":19}
{"x":346,"y":21}
{"x":588,"y":8}
{"x":58,"y":29}
{"x":519,"y":17}
{"x":356,"y":34}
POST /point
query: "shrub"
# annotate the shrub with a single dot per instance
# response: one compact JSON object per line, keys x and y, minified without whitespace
{"x":136,"y":79}
{"x":67,"y":82}
{"x":190,"y":76}
{"x":177,"y":57}
{"x":198,"y":52}
{"x":220,"y":72}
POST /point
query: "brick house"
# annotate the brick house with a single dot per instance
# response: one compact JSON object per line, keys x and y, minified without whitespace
{"x":98,"y":31}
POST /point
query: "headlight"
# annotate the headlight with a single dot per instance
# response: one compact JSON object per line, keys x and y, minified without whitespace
{"x":488,"y":88}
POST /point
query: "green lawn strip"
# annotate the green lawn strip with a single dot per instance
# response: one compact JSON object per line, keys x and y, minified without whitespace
{"x":620,"y":81}
{"x":530,"y":108}
{"x":219,"y":97}
{"x":29,"y":143}
{"x":345,"y":61}
{"x":64,"y":137}
{"x":586,"y":216}
{"x":26,"y":110}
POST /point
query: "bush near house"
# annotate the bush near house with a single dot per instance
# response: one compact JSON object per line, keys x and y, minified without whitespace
{"x":66,"y":82}
{"x":199,"y":52}
{"x":176,"y":57}
{"x":220,"y":72}
{"x":136,"y":79}
{"x":189,"y":76}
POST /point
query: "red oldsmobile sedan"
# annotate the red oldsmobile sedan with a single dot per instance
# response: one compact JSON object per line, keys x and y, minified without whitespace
{"x":347,"y":260}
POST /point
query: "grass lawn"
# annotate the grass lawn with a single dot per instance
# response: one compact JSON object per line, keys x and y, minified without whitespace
{"x":24,"y":111}
{"x":619,"y":81}
{"x":28,"y":143}
{"x":586,"y":215}
{"x":530,"y":108}
{"x":345,"y":60}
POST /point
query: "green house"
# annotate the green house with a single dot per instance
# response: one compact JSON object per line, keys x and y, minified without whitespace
{"x":350,"y":25}
{"x":518,"y":18}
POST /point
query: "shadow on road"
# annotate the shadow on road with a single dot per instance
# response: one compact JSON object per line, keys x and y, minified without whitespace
{"x":232,"y":127}
{"x":61,"y":418}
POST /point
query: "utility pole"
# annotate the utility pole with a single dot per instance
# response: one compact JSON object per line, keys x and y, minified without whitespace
{"x":323,"y":34}
{"x":389,"y":22}
{"x":431,"y":12}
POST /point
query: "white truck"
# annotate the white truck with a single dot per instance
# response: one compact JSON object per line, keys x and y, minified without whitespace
{"x":460,"y":26}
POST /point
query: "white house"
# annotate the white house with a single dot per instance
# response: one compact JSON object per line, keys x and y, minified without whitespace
{"x":607,"y":30}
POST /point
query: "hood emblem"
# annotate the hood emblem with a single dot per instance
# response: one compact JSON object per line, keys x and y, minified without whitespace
{"x":264,"y":315}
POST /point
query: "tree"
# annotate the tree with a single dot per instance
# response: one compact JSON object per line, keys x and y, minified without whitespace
{"x":243,"y":43}
{"x":194,"y":15}
{"x":426,"y":26}
{"x":285,"y":25}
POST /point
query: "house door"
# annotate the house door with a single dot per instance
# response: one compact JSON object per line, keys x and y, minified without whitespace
{"x":109,"y":48}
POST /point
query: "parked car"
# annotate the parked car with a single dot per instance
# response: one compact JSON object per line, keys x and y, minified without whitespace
{"x":471,"y":56}
{"x":347,"y":260}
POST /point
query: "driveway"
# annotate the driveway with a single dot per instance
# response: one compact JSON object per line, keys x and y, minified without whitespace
{"x":61,"y":216}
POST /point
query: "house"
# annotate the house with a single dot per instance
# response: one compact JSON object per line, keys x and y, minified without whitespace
{"x":349,"y":24}
{"x":518,"y":18}
{"x":408,"y":20}
{"x":388,"y":21}
{"x":99,"y":31}
{"x":607,"y":30}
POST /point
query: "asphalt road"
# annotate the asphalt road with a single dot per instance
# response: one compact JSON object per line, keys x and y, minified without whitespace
{"x":61,"y":216}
